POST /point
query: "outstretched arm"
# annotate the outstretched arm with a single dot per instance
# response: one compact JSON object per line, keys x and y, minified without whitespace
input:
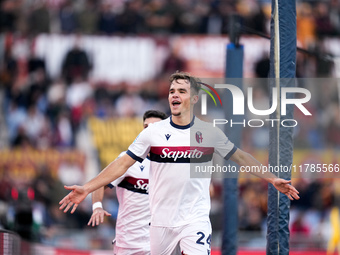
{"x":245,"y":159}
{"x":98,"y":211}
{"x":78,"y":193}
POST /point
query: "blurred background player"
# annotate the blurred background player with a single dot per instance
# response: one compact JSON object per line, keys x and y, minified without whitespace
{"x":133,"y":221}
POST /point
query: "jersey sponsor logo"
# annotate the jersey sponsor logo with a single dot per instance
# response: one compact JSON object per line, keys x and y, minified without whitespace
{"x":184,"y":154}
{"x":167,"y":136}
{"x":135,"y":185}
{"x":199,"y":137}
{"x":141,"y":167}
{"x":167,"y":153}
{"x":142,"y":185}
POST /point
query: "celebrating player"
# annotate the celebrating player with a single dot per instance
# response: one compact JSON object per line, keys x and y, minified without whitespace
{"x":179,"y":204}
{"x":132,"y":227}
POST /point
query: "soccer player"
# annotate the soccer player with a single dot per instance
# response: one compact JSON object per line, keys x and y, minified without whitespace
{"x":132,"y":227}
{"x":179,"y":204}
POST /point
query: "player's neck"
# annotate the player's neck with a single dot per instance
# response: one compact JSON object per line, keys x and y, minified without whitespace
{"x":182,"y":120}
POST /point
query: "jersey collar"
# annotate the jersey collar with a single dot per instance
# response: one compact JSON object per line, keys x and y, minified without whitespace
{"x":182,"y":127}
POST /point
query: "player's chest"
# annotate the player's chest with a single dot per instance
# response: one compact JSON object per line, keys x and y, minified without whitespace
{"x":180,"y":138}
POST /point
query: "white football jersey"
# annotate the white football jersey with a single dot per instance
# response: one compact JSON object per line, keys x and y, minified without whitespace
{"x":132,"y":227}
{"x":175,"y":198}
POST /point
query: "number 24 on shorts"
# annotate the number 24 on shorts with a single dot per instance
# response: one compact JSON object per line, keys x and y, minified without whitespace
{"x":201,"y":238}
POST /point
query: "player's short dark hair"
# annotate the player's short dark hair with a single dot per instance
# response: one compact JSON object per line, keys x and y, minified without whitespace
{"x":154,"y":114}
{"x":195,"y":83}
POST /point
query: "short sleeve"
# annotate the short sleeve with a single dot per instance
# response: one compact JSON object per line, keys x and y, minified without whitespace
{"x":140,"y":148}
{"x":223,"y":146}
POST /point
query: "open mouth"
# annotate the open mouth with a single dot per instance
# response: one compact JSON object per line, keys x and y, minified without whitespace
{"x":175,"y":103}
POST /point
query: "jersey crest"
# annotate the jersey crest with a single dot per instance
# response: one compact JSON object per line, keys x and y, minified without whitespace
{"x":199,"y":137}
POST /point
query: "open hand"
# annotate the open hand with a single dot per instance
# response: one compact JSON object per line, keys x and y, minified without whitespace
{"x":74,"y":198}
{"x":284,"y":187}
{"x":98,"y":217}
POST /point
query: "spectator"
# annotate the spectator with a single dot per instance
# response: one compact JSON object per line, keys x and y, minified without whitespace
{"x":15,"y":118}
{"x":76,"y":64}
{"x":323,"y":22}
{"x":69,"y":171}
{"x":130,"y":104}
{"x":36,"y":125}
{"x":299,"y":226}
{"x":56,"y":97}
{"x":39,"y":19}
{"x":88,"y":18}
{"x":76,"y":95}
{"x":42,"y":185}
{"x":8,"y":16}
{"x":174,"y":61}
{"x":305,"y":25}
{"x":131,"y":20}
{"x":158,"y":17}
{"x":63,"y":131}
{"x":187,"y":17}
{"x":68,"y":18}
{"x":36,"y":92}
{"x":107,"y":23}
{"x":225,"y":9}
{"x":9,"y":68}
{"x":35,"y":62}
{"x":211,"y":22}
{"x":22,"y":140}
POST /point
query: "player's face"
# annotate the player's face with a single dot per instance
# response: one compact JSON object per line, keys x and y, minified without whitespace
{"x":180,"y":97}
{"x":149,"y":121}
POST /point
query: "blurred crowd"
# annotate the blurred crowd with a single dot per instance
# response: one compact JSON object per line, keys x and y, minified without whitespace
{"x":39,"y":112}
{"x":107,"y":17}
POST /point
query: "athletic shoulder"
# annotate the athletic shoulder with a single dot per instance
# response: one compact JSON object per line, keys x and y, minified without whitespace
{"x":158,"y":124}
